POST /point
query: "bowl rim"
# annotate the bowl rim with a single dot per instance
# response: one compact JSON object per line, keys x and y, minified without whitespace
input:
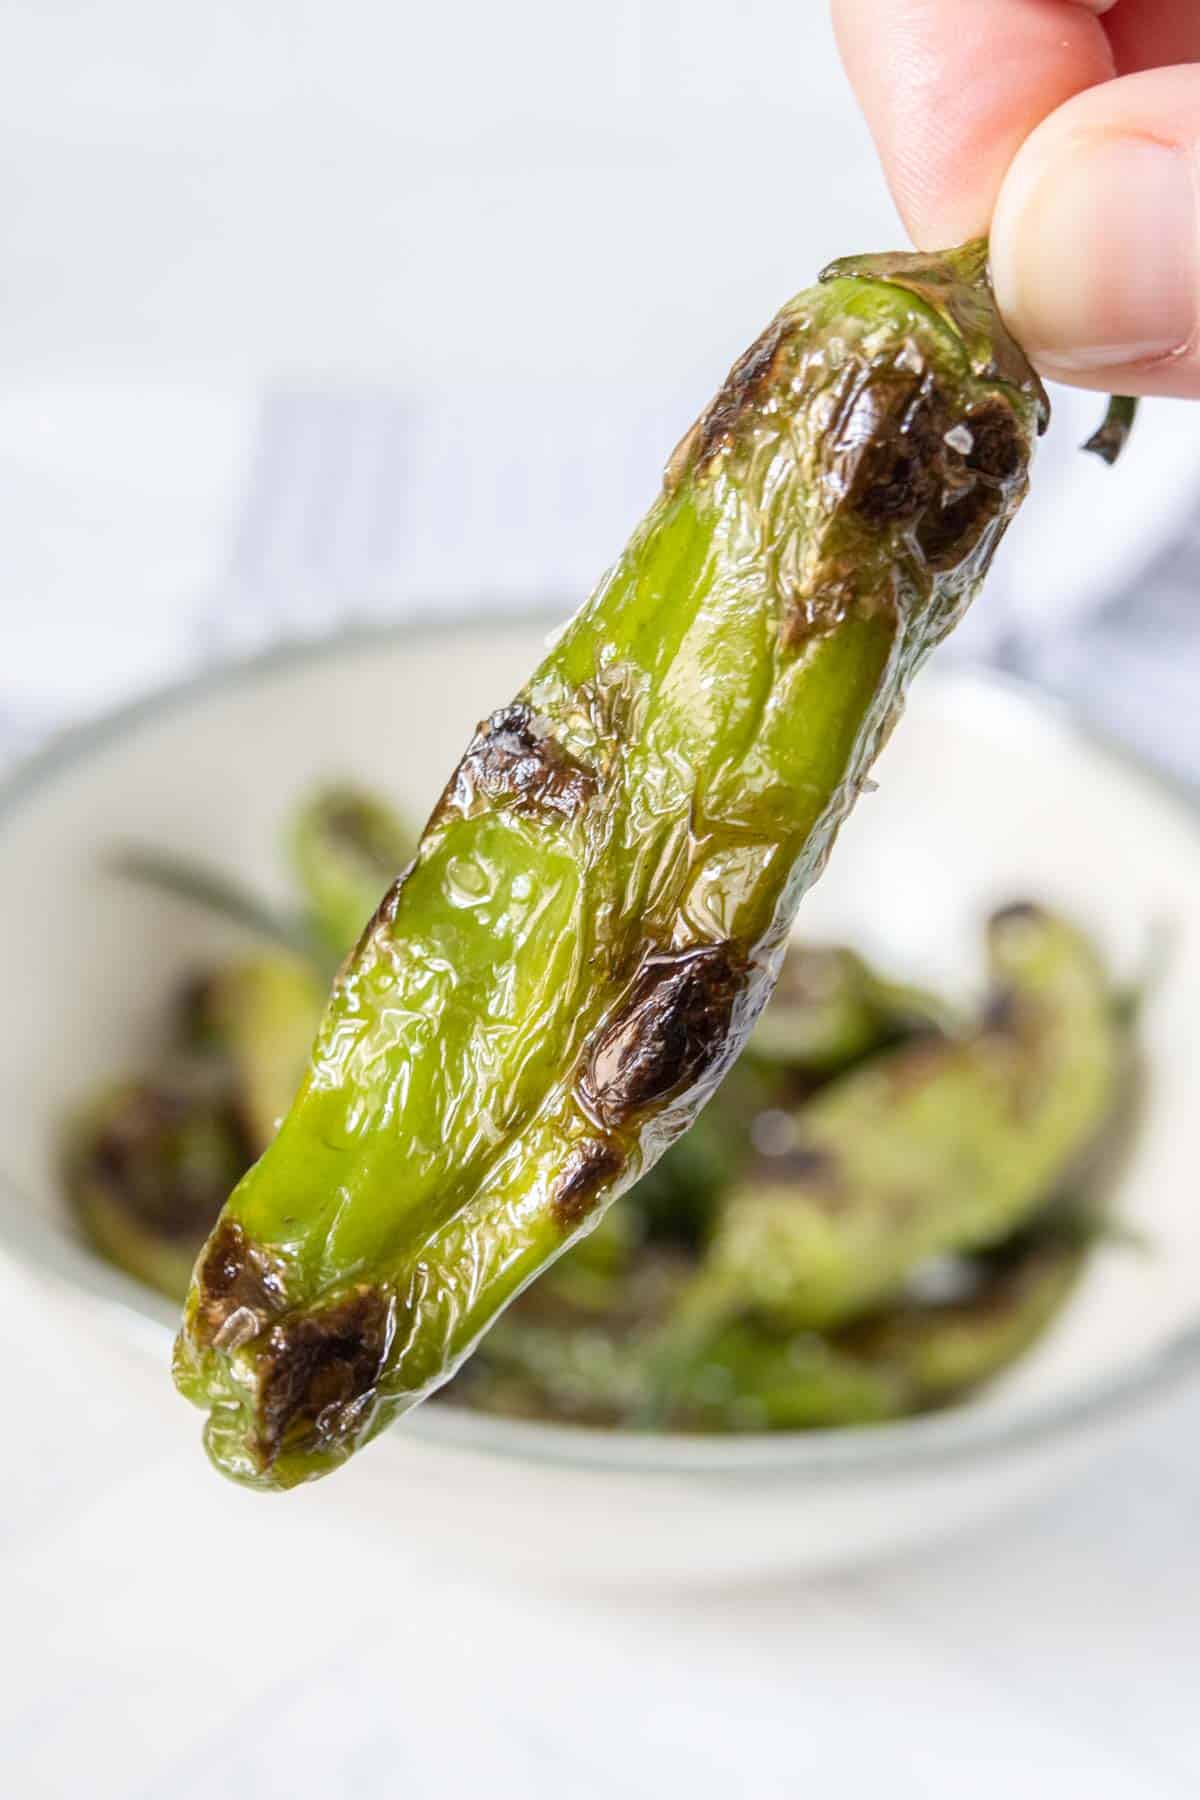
{"x":961,"y":1434}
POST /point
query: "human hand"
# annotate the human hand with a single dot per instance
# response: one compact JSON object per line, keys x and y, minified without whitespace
{"x":1071,"y":130}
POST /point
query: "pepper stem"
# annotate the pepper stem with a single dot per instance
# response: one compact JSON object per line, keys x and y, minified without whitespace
{"x":957,"y":284}
{"x":1113,"y":435}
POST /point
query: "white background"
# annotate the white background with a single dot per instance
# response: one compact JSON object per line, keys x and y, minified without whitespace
{"x":308,"y":312}
{"x":459,"y":242}
{"x":509,"y":249}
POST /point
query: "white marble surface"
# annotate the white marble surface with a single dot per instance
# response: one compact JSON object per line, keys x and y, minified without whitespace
{"x":166,"y":1635}
{"x":206,"y":208}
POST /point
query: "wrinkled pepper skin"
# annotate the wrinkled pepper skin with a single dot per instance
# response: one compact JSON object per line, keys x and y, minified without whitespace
{"x":599,"y":902}
{"x":937,"y":1147}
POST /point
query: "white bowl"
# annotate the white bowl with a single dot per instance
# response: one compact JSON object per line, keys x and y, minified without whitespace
{"x":987,"y":794}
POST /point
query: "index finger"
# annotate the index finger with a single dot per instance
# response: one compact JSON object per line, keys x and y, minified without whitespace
{"x":951,"y":92}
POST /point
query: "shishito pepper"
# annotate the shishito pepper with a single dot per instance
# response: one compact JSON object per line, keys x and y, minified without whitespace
{"x":258,"y":1015}
{"x":830,"y":1009}
{"x":943,"y":1145}
{"x":346,"y":845}
{"x":150,"y":1162}
{"x":903,"y":1360}
{"x":147,"y":1166}
{"x":907,"y":1360}
{"x":600,"y":900}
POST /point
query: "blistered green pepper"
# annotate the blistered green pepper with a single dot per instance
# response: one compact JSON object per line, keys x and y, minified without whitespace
{"x":576,"y":1374}
{"x":346,"y":846}
{"x":260,"y":1016}
{"x":747,"y":1377}
{"x":147,"y":1167}
{"x":942,"y":1145}
{"x":581,"y":1354}
{"x":594,"y":1275}
{"x":149,"y":1164}
{"x":830,"y":1009}
{"x":942,"y":1351}
{"x":600,"y":900}
{"x":906,"y":1360}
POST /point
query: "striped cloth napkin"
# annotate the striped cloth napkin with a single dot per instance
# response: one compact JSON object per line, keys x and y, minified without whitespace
{"x":153,"y":530}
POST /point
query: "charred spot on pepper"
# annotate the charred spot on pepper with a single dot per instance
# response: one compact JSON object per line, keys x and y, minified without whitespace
{"x":739,"y":394}
{"x":997,"y":446}
{"x":585,"y":1172}
{"x":979,"y":471}
{"x":898,"y":453}
{"x":318,"y":1370}
{"x":239,"y":1288}
{"x":805,"y":616}
{"x":951,"y":532}
{"x":674,"y":1029}
{"x":514,"y":761}
{"x":886,"y":448}
{"x":384,"y":916}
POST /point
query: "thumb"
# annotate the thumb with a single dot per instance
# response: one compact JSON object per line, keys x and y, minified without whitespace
{"x":1096,"y":237}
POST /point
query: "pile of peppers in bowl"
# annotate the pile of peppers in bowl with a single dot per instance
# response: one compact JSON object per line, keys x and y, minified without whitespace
{"x":549,"y":1155}
{"x":884,"y":1205}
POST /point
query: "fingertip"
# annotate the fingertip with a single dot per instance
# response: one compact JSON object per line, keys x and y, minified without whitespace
{"x":948,"y":108}
{"x":1096,"y":238}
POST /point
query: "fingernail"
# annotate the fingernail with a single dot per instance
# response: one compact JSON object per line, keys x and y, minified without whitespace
{"x":1096,"y":253}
